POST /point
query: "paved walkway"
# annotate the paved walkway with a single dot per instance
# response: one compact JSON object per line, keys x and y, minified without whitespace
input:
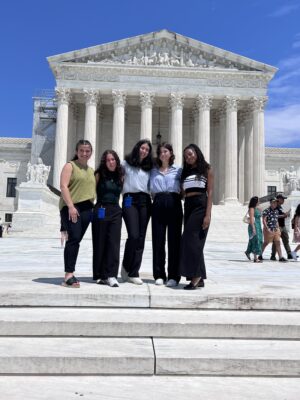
{"x":35,"y":266}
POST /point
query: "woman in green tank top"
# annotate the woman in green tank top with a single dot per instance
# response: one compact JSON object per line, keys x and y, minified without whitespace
{"x":78,"y":189}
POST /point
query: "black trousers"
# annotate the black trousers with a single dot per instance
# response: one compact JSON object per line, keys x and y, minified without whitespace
{"x":166,"y":214}
{"x":193,"y":238}
{"x":136,"y":218}
{"x":106,"y":235}
{"x":75,"y":231}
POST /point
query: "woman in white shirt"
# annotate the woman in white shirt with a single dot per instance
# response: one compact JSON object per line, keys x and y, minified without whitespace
{"x":166,"y":215}
{"x":136,"y":208}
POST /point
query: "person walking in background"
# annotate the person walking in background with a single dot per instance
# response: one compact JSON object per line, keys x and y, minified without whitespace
{"x":271,"y":228}
{"x":284,"y":233}
{"x":107,"y":220}
{"x":77,"y":185}
{"x":166,"y":214}
{"x":296,"y":238}
{"x":254,"y":230}
{"x":136,"y":208}
{"x":1,"y":228}
{"x":197,"y":184}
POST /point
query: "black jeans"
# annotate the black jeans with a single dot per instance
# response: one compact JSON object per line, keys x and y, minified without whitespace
{"x":166,"y":213}
{"x":136,"y":219}
{"x":106,"y":241}
{"x":75,"y":231}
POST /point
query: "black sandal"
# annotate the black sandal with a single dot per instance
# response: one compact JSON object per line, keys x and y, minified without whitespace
{"x":191,"y":286}
{"x":201,"y":283}
{"x":71,"y":282}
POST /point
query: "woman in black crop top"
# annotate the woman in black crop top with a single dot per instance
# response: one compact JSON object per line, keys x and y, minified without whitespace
{"x":107,"y":220}
{"x":197,"y":185}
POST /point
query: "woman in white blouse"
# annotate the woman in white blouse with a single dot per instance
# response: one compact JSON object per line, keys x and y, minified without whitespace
{"x":136,"y":208}
{"x":166,"y":215}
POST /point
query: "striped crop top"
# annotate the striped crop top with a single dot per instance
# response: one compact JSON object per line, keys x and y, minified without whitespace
{"x":195,"y":183}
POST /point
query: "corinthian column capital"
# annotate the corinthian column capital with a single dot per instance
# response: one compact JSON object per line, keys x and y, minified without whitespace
{"x":231,"y":103}
{"x":91,"y":96}
{"x":119,"y":98}
{"x":176,"y":100}
{"x":63,"y":95}
{"x":258,"y":103}
{"x":147,"y":99}
{"x":204,"y":102}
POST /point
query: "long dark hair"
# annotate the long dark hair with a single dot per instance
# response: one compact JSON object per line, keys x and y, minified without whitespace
{"x":170,"y":148}
{"x":104,"y":172}
{"x":133,"y":158}
{"x":80,"y":143}
{"x":202,"y":166}
{"x":297,"y":211}
{"x":253,"y":202}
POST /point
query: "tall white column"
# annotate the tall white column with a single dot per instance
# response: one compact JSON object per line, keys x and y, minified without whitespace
{"x":91,"y":100}
{"x":231,"y":175}
{"x":222,"y":154}
{"x":146,"y":102}
{"x":119,"y":100}
{"x":99,"y":149}
{"x":202,"y":139}
{"x":258,"y":104}
{"x":248,"y":155}
{"x":241,"y":156}
{"x":176,"y":102}
{"x":61,"y":138}
{"x":215,"y":152}
{"x":72,"y":129}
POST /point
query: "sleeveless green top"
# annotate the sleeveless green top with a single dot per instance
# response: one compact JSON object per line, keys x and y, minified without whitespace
{"x":82,"y":185}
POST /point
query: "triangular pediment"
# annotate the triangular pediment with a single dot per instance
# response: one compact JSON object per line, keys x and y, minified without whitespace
{"x":163,"y":49}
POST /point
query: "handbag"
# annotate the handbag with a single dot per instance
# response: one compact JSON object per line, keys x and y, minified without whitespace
{"x":246,"y":218}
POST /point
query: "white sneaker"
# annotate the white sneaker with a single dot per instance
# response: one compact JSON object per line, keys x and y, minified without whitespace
{"x":294,"y":255}
{"x":171,"y":283}
{"x":159,"y":282}
{"x":135,"y":280}
{"x":112,"y":282}
{"x":124,"y":274}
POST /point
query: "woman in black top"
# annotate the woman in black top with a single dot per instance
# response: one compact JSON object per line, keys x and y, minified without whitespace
{"x":107,"y":220}
{"x":197,"y":185}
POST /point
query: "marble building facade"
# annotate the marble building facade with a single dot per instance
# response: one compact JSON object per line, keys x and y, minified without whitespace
{"x":164,"y":86}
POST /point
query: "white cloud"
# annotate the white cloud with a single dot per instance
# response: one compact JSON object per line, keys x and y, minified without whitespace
{"x":282,"y":122}
{"x":282,"y":126}
{"x":284,"y":10}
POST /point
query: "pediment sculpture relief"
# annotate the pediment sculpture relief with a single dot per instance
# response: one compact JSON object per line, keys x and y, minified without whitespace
{"x":163,"y":54}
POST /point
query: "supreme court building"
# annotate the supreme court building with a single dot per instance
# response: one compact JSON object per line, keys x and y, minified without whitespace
{"x":165,"y":87}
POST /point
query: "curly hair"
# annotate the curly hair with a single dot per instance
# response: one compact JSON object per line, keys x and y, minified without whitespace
{"x":81,"y":142}
{"x":167,"y":146}
{"x":104,"y":172}
{"x":202,"y":166}
{"x":133,"y":158}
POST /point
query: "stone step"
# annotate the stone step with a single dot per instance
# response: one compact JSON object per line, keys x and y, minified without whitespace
{"x":148,"y":388}
{"x":227,"y":294}
{"x":120,"y":356}
{"x":83,"y":356}
{"x":227,"y":357}
{"x":148,"y":323}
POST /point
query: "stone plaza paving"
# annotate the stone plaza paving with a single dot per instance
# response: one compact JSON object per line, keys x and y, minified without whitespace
{"x":238,"y":338}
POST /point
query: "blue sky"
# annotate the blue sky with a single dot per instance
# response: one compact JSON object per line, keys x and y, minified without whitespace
{"x":265,"y":30}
